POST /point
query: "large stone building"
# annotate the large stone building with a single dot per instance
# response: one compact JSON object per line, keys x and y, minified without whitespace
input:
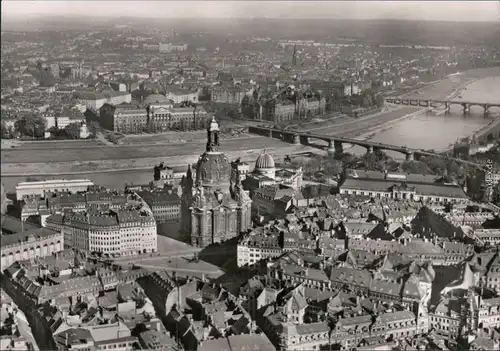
{"x":121,"y":232}
{"x":124,"y":118}
{"x":43,"y":187}
{"x":94,"y":101}
{"x":267,"y":172}
{"x":38,"y":242}
{"x":214,"y":209}
{"x":102,"y":221}
{"x":182,"y":95}
{"x":60,"y":202}
{"x":291,"y":105}
{"x":164,"y":203}
{"x":278,"y":111}
{"x":273,"y":187}
{"x":157,"y":113}
{"x":227,"y":94}
{"x":403,"y":186}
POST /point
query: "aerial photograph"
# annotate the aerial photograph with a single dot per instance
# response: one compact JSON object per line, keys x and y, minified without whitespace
{"x":250,"y":175}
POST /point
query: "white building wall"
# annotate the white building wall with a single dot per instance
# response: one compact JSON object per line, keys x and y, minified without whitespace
{"x":149,"y":240}
{"x":178,"y":98}
{"x":50,"y":122}
{"x":41,"y":187}
{"x":416,"y":197}
{"x":95,"y":105}
{"x":62,"y":122}
{"x":243,"y":255}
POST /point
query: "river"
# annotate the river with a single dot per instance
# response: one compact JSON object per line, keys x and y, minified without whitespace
{"x":438,"y":130}
{"x":430,"y":131}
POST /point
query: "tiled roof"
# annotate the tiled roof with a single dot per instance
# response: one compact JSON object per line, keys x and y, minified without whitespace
{"x":70,"y":285}
{"x":312,"y":328}
{"x":385,"y":287}
{"x":356,"y":320}
{"x":12,"y":225}
{"x":351,"y":276}
{"x":359,"y":228}
{"x":398,"y":316}
{"x":37,"y":234}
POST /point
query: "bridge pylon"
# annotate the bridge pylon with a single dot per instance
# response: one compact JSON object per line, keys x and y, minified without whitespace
{"x":410,"y":156}
{"x":304,"y":140}
{"x":332,"y":151}
{"x":339,"y":149}
{"x":486,"y":109}
{"x":466,"y":108}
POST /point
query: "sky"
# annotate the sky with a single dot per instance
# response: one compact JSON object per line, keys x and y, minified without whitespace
{"x":405,"y":10}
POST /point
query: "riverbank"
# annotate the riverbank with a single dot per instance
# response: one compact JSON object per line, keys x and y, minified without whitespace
{"x":427,"y":129}
{"x":117,"y":166}
{"x":114,"y":165}
{"x":386,"y":126}
{"x":370,"y":134}
{"x":491,"y":128}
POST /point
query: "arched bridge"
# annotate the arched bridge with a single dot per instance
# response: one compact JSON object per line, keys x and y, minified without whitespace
{"x":335,"y":144}
{"x":436,"y":103}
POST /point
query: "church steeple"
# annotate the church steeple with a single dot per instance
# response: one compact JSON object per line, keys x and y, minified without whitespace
{"x":187,"y":181}
{"x":213,"y":136}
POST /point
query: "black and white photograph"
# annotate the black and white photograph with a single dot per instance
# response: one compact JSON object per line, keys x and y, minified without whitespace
{"x":250,"y":175}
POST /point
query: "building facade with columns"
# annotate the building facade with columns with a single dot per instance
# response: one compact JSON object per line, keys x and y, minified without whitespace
{"x":30,"y":244}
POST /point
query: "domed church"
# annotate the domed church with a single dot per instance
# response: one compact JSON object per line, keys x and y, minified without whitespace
{"x":214,"y":207}
{"x":265,"y":166}
{"x":266,"y":172}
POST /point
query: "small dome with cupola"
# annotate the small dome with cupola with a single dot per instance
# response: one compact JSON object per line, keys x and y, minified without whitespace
{"x":265,"y":165}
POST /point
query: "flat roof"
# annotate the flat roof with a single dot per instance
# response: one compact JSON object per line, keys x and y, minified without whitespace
{"x":54,"y":181}
{"x":382,"y":185}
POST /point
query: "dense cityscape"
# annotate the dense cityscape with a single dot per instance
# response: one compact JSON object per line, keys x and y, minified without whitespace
{"x":201,"y":186}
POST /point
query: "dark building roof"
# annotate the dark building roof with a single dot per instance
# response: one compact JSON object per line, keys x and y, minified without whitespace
{"x":12,"y":225}
{"x":38,"y":233}
{"x":160,"y":198}
{"x":428,"y":222}
{"x":274,"y":191}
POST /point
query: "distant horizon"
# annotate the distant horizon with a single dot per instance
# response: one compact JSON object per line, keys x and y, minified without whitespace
{"x":24,"y":18}
{"x":435,"y":11}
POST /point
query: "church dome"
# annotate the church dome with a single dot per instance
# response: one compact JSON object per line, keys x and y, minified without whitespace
{"x":213,"y":169}
{"x":264,"y":161}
